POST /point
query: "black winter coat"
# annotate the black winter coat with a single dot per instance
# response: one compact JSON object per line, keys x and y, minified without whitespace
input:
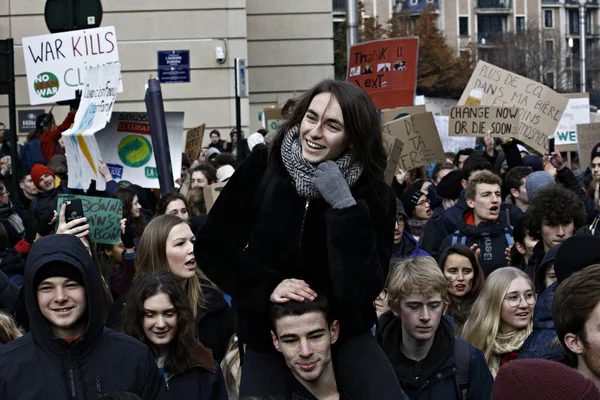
{"x":198,"y":383}
{"x":40,"y":366}
{"x":24,"y":207}
{"x":260,"y":232}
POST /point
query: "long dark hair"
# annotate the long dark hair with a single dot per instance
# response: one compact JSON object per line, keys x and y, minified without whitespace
{"x":184,"y":349}
{"x":126,"y":195}
{"x":167,"y":199}
{"x":361,"y":124}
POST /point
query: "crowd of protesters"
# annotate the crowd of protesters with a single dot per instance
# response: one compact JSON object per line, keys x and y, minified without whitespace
{"x":311,"y":277}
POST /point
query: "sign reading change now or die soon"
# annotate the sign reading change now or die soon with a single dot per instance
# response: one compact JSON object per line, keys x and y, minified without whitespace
{"x":55,"y":63}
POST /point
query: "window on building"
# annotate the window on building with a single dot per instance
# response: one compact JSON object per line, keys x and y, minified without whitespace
{"x":463,"y":26}
{"x":573,"y":17}
{"x":549,"y":48}
{"x":520,"y":24}
{"x":548,"y":18}
{"x":549,"y":80}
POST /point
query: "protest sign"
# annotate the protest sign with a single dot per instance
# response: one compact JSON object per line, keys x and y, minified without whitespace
{"x":393,"y":149}
{"x":587,"y":137}
{"x":193,"y":141}
{"x":273,"y":120}
{"x":541,"y":108}
{"x":126,"y":147}
{"x":577,"y":112}
{"x":419,"y":135}
{"x":400,"y":112}
{"x":211,"y":192}
{"x":55,"y":64}
{"x":478,"y":121}
{"x":452,"y":143}
{"x":103,"y":216}
{"x":95,"y":109}
{"x":386,"y":70}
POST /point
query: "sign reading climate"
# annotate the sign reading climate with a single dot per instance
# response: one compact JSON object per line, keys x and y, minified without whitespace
{"x":55,"y":63}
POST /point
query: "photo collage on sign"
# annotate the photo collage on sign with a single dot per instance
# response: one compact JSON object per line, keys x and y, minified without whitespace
{"x":383,"y":67}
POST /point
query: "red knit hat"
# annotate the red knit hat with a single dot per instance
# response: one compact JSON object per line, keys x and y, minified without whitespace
{"x":541,"y":379}
{"x":38,"y":170}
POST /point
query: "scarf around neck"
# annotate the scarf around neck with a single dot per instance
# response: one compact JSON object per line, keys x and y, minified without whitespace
{"x":506,"y":343}
{"x":302,"y":172}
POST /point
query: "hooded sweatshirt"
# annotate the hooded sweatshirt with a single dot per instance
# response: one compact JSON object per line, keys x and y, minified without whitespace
{"x":39,"y":365}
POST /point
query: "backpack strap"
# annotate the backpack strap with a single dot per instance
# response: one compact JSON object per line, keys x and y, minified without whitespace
{"x":508,"y":232}
{"x":462,"y":364}
{"x":455,"y":236}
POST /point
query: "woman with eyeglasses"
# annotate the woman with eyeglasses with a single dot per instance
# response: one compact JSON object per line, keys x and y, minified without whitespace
{"x":501,"y":318}
{"x":417,"y":207}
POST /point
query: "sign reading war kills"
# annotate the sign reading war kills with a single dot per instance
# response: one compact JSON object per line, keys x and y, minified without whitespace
{"x":55,"y":63}
{"x":587,"y":137}
{"x":103,"y":216}
{"x":419,"y":135}
{"x":386,"y":70}
{"x":541,"y":108}
{"x":479,"y":121}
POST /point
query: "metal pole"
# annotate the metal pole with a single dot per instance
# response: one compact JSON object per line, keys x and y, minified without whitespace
{"x":12,"y":111}
{"x":582,"y":44}
{"x":351,"y":23}
{"x":238,"y":117}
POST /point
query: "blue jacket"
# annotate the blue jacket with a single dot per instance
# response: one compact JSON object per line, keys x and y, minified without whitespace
{"x":538,"y":343}
{"x":434,"y":377}
{"x":409,"y":247}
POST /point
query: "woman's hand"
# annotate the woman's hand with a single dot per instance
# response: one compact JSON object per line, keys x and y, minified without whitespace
{"x":330,"y":182}
{"x":400,"y":175}
{"x":104,"y":171}
{"x":292,"y":289}
{"x":77,"y":227}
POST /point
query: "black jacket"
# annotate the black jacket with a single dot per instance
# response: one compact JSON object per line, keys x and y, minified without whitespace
{"x":199,"y":383}
{"x":45,"y":204}
{"x":260,"y":232}
{"x":214,"y":324}
{"x":24,"y":207}
{"x":39,"y":365}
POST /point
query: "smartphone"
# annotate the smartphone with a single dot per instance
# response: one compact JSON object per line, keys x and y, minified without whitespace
{"x":551,"y":146}
{"x":74,"y":210}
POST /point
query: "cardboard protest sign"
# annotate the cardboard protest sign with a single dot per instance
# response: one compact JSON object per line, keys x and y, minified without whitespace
{"x":393,"y":149}
{"x":419,"y":135}
{"x":577,"y":112}
{"x":193,"y":141}
{"x":541,"y":108}
{"x":479,"y":121}
{"x":126,"y":147}
{"x":587,"y":137}
{"x":97,"y":101}
{"x":386,"y":70}
{"x":273,"y":120}
{"x":103,"y":216}
{"x":55,"y":64}
{"x":400,"y":112}
{"x":452,"y":143}
{"x":211,"y":192}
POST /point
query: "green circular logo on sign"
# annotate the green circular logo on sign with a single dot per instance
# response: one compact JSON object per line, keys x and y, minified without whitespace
{"x":134,"y":151}
{"x":46,"y":84}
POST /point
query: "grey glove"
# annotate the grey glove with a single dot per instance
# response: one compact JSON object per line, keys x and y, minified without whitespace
{"x":330,"y":182}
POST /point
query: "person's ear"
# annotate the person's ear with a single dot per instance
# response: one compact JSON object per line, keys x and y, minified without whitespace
{"x":463,"y":182}
{"x":515,"y":193}
{"x":335,"y":331}
{"x":574,"y":343}
{"x":470,"y":203}
{"x":275,"y":341}
{"x":520,"y":248}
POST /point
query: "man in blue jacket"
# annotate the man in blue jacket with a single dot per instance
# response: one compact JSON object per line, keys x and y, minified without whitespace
{"x":429,"y":361}
{"x":69,"y":353}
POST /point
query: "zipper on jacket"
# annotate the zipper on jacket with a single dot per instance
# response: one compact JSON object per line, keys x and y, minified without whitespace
{"x":303,"y":221}
{"x":71,"y":375}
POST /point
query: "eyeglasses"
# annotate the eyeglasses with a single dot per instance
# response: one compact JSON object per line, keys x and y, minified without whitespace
{"x":514,"y":300}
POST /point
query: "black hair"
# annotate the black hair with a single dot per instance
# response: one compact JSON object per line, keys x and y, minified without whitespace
{"x":296,"y":308}
{"x":475,"y":163}
{"x":208,"y":171}
{"x":514,"y":176}
{"x":216,"y":132}
{"x":463,"y":152}
{"x":185,"y":160}
{"x":224,"y":159}
{"x":167,"y":199}
{"x":263,"y":132}
{"x":519,"y":234}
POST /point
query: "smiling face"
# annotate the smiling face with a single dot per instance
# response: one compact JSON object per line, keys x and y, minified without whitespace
{"x":62,"y":302}
{"x":305,"y":342}
{"x":180,"y":251}
{"x":487,"y":202}
{"x":178,"y":209}
{"x":160,"y":320}
{"x":421,"y":315}
{"x":322,"y":130}
{"x":46,"y":182}
{"x":135,"y":207}
{"x":516,"y":317}
{"x":460,"y":274}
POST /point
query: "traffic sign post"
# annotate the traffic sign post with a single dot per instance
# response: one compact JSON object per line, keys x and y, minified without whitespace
{"x":174,"y":66}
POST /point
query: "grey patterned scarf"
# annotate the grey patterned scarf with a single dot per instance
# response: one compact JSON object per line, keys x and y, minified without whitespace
{"x":302,"y":171}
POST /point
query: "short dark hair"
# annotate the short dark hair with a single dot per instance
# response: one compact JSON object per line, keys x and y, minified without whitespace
{"x":208,"y":171}
{"x":463,"y":152}
{"x":296,"y":308}
{"x":263,"y":132}
{"x":224,"y":159}
{"x":216,"y":132}
{"x":574,"y":300}
{"x":475,"y":163}
{"x":514,"y":176}
{"x":554,"y":205}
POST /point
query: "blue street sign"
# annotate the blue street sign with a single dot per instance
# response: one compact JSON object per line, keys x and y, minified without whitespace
{"x":174,"y":66}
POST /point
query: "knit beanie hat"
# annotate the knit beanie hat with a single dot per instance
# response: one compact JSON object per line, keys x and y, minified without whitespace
{"x":595,"y":153}
{"x":541,"y":379}
{"x":534,"y":162}
{"x":213,"y":151}
{"x":450,"y":186}
{"x":54,"y":269}
{"x":224,"y":173}
{"x":575,"y":254}
{"x":536,"y":181}
{"x":400,"y":209}
{"x":254,"y":139}
{"x":38,"y":170}
{"x":409,"y":199}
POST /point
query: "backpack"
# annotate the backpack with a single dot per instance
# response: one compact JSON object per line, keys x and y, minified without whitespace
{"x":31,"y":153}
{"x":458,"y":237}
{"x":462,"y":368}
